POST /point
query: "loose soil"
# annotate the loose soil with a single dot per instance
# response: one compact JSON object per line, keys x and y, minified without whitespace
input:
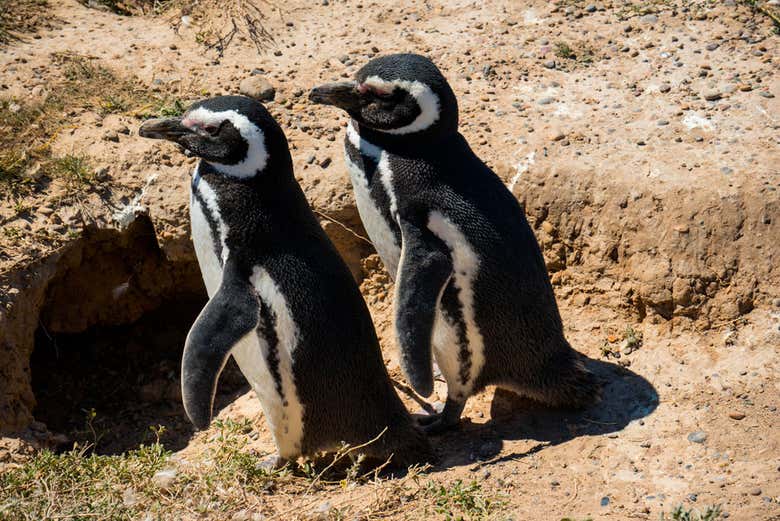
{"x":642,"y":139}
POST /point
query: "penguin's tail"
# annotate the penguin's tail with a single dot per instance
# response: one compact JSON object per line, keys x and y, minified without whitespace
{"x":567,"y":383}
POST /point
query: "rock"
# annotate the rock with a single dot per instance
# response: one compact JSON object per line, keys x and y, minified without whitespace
{"x":257,"y":87}
{"x":662,"y":122}
{"x":591,"y":8}
{"x":755,"y":491}
{"x":546,"y":100}
{"x":736,"y":415}
{"x":325,"y":163}
{"x":712,"y":95}
{"x":766,"y":94}
{"x":712,"y":46}
{"x":111,"y":136}
{"x":605,"y":501}
{"x":649,"y":19}
{"x":557,"y":135}
{"x":665,"y":88}
{"x":163,"y":479}
{"x":323,"y":510}
{"x":697,"y":437}
{"x":129,"y":497}
{"x":549,"y":64}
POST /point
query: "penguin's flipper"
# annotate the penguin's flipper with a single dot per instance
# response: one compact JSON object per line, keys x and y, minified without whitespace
{"x":227,"y":318}
{"x":423,"y":271}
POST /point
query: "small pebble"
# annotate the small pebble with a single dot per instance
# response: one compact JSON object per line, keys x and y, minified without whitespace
{"x":712,"y":95}
{"x":736,"y":415}
{"x":665,"y":88}
{"x":163,"y":479}
{"x":546,"y":101}
{"x":755,"y":491}
{"x":697,"y":437}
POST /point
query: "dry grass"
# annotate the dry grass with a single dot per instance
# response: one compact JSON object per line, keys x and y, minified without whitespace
{"x":220,"y":22}
{"x":224,"y":482}
{"x":19,"y":17}
{"x":28,"y":130}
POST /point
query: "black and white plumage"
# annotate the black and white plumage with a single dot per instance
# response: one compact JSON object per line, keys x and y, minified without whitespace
{"x":282,"y":302}
{"x":471,"y":284}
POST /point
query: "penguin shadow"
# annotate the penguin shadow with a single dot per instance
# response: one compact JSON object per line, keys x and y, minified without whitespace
{"x":626,"y":396}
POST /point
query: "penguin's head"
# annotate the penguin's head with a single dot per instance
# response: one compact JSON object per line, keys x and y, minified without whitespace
{"x":398,"y":94}
{"x":234,"y":134}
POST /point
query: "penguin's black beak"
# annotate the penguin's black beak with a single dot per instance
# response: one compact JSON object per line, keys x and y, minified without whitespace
{"x":164,"y":128}
{"x":343,"y":95}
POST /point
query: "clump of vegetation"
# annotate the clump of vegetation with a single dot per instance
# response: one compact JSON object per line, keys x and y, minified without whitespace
{"x":680,"y":513}
{"x":460,"y":501}
{"x":219,"y":22}
{"x":583,"y":54}
{"x":81,"y":484}
{"x":131,"y":7}
{"x":616,"y":345}
{"x":28,"y":130}
{"x":227,"y":480}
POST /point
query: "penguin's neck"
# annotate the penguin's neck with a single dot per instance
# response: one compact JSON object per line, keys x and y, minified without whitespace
{"x":255,"y":208}
{"x":410,"y":145}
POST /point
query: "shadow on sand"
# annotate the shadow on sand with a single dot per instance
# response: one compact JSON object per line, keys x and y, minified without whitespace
{"x":626,"y":397}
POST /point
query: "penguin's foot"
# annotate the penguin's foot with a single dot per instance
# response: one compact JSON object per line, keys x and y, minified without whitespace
{"x":439,"y":423}
{"x":273,"y":462}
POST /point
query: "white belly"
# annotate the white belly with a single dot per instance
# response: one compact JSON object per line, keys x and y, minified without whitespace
{"x":376,"y":226}
{"x":210,"y":268}
{"x":465,"y":266}
{"x":284,"y":416}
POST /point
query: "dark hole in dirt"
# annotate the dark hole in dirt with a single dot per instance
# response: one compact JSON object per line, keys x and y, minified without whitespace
{"x":128,"y":375}
{"x":110,"y":337}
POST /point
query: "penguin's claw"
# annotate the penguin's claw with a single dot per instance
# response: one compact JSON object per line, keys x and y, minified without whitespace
{"x":440,"y":422}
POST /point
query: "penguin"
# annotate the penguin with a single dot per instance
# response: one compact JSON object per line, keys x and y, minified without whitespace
{"x":471,"y":285}
{"x":281,"y":300}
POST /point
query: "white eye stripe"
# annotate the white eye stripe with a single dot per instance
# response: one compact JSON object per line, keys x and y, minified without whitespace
{"x":256,"y":154}
{"x":426,"y":99}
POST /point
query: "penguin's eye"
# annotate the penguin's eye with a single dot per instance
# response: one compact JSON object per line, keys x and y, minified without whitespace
{"x":211,"y":129}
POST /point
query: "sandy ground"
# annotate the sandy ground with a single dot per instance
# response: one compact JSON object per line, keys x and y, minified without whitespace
{"x":671,"y":114}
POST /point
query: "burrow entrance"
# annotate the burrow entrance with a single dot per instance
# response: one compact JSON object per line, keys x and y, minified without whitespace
{"x":106,"y":361}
